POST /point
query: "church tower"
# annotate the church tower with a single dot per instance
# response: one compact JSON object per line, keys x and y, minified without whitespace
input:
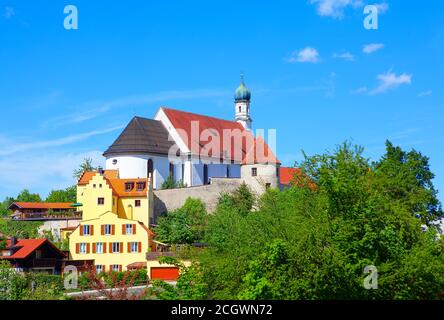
{"x":242,"y":99}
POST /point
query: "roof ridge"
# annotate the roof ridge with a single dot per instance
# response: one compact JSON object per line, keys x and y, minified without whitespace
{"x":201,"y":115}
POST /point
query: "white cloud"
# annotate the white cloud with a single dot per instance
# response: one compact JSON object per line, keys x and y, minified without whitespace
{"x":95,"y":108}
{"x":372,"y":47}
{"x":42,"y":172}
{"x":9,"y":12}
{"x":308,"y":54}
{"x":425,"y":93}
{"x":347,"y":56}
{"x":389,"y":81}
{"x":382,"y":7}
{"x":360,"y":90}
{"x":336,"y":8}
{"x":10,"y":147}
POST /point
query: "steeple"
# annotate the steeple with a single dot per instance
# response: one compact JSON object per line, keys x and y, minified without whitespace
{"x":242,"y":97}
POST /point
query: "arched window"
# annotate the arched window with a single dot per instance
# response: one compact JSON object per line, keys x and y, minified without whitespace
{"x":150,"y":167}
{"x":172,"y":171}
{"x":205,"y":173}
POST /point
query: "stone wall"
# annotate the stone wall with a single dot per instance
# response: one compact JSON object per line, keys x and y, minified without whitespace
{"x":171,"y":199}
{"x":55,"y":225}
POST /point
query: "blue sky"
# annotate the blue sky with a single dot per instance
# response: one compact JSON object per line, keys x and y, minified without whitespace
{"x":317,"y":76}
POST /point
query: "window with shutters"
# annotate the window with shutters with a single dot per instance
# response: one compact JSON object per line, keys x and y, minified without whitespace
{"x":87,"y":230}
{"x":107,"y":229}
{"x":115,"y":267}
{"x":129,"y":229}
{"x":134,"y":247}
{"x":116,"y":247}
{"x":99,"y":247}
{"x":82,"y":248}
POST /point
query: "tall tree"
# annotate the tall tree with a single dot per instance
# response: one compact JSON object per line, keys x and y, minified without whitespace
{"x":86,"y":165}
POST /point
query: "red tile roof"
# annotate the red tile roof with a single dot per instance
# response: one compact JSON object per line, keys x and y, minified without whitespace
{"x":287,"y":175}
{"x":187,"y":123}
{"x":26,"y":247}
{"x":41,"y":205}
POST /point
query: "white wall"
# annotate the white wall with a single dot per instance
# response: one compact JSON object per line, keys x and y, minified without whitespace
{"x":136,"y":166}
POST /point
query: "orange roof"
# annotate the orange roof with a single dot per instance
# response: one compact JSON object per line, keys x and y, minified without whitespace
{"x":42,"y":205}
{"x":26,"y":247}
{"x":88,"y":175}
{"x":137,"y":265}
{"x":119,"y":187}
{"x":186,"y":123}
{"x":286,"y":175}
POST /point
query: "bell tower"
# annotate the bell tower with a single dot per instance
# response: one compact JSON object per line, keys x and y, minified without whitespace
{"x":242,"y":98}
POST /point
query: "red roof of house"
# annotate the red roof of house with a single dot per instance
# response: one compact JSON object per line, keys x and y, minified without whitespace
{"x":287,"y":175}
{"x":26,"y":247}
{"x":187,"y":123}
{"x":42,"y":205}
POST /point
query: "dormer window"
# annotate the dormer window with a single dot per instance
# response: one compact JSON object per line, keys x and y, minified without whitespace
{"x":140,"y":186}
{"x":129,"y":186}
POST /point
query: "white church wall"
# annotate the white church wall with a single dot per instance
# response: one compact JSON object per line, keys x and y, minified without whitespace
{"x":136,"y":166}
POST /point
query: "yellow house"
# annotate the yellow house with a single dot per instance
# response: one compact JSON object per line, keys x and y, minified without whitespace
{"x":116,"y":214}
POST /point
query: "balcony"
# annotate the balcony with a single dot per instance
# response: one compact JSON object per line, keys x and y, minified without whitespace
{"x":45,"y":215}
{"x":44,"y":263}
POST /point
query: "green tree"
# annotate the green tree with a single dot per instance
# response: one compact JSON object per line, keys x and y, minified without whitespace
{"x":86,"y":165}
{"x":314,"y":243}
{"x":4,"y":206}
{"x":67,"y":195}
{"x":26,"y":196}
{"x":184,"y":225}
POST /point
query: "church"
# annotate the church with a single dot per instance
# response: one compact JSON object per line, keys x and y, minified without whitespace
{"x":191,"y":149}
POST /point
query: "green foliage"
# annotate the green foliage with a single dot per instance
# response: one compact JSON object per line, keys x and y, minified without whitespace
{"x":86,"y":165}
{"x":20,"y":229}
{"x":30,"y":286}
{"x":242,"y":199}
{"x":184,"y":225}
{"x":170,"y":183}
{"x":67,"y":195}
{"x":314,"y":243}
{"x":4,"y":206}
{"x":26,"y":196}
{"x":189,"y":286}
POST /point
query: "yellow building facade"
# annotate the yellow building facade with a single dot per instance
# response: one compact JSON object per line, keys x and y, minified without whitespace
{"x":114,"y":228}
